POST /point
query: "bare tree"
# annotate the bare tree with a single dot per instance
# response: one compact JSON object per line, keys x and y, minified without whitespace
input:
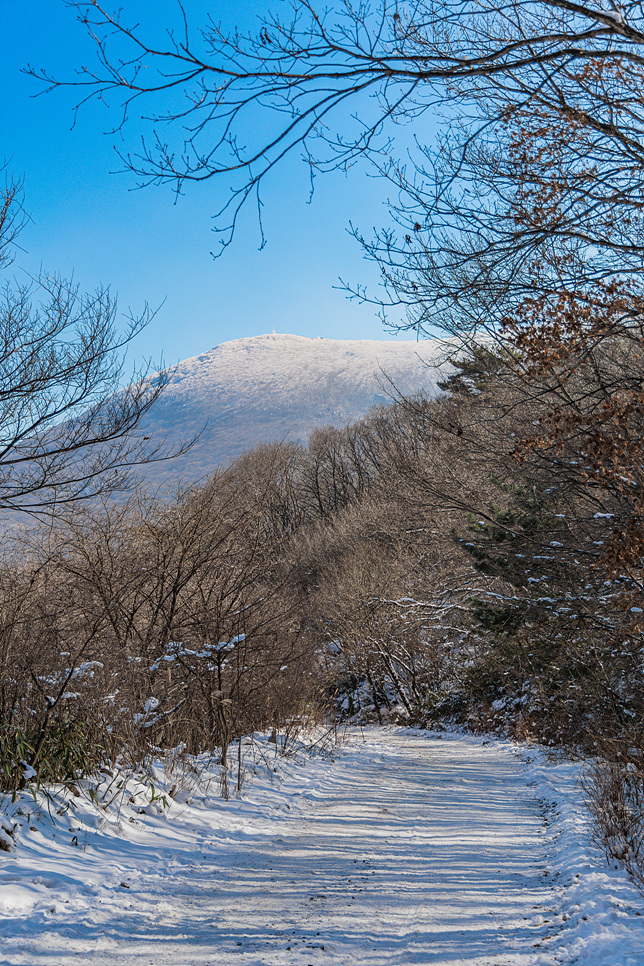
{"x":67,"y":428}
{"x":326,"y":84}
{"x":12,"y":217}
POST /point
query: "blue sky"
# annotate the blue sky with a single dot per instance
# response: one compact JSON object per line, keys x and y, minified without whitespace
{"x":89,"y":221}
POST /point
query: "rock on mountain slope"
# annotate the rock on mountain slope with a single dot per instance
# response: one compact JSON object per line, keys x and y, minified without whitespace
{"x":274,"y":387}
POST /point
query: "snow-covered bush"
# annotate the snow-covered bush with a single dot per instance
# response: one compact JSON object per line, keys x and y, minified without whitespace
{"x":614,"y":787}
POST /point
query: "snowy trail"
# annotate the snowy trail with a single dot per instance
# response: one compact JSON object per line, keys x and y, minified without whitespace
{"x":415,"y":856}
{"x":407,"y":849}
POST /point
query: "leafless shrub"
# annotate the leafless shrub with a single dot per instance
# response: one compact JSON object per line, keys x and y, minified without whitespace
{"x":614,"y":790}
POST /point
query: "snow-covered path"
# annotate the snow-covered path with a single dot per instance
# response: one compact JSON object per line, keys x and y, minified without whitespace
{"x":408,"y":849}
{"x":409,"y":856}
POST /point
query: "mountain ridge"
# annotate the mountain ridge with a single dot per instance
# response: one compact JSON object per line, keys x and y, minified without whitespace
{"x":278,"y":386}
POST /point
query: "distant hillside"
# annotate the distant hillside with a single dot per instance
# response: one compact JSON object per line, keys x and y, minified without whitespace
{"x":274,"y":387}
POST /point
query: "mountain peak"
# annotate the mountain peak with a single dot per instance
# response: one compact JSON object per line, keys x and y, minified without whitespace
{"x":278,"y":386}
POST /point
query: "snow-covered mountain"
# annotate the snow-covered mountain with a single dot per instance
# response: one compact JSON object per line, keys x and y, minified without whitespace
{"x":274,"y":387}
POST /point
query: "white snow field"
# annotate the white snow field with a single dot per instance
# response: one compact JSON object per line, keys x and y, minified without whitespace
{"x":402,"y":848}
{"x":273,"y":387}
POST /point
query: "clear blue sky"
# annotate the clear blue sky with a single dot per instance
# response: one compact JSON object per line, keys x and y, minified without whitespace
{"x":88,"y":221}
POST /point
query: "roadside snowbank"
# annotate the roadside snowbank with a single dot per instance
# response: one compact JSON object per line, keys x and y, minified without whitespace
{"x":400,"y":848}
{"x":602,"y":912}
